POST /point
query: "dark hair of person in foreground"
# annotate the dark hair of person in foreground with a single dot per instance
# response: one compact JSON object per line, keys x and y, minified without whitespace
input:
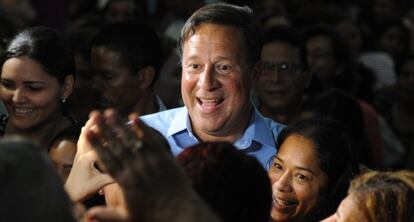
{"x":233,"y":184}
{"x":30,"y":188}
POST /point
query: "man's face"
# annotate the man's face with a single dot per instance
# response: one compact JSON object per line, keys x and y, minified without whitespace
{"x":120,"y":89}
{"x":216,"y":82}
{"x":321,"y":57}
{"x":62,"y":153}
{"x":120,"y":11}
{"x":282,"y":82}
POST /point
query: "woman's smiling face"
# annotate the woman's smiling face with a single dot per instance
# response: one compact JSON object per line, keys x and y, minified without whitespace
{"x":31,"y":95}
{"x":297,"y":179}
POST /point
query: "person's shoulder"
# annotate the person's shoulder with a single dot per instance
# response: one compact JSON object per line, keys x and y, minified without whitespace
{"x":162,"y":119}
{"x":164,"y":114}
{"x":274,"y":126}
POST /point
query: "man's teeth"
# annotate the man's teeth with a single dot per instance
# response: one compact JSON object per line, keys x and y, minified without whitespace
{"x":283,"y":202}
{"x":23,"y":110}
{"x":210,"y":100}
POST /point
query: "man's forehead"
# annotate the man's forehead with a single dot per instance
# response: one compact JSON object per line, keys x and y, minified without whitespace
{"x":211,"y":32}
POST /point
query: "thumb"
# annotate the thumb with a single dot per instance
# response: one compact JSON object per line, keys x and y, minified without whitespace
{"x":103,"y":179}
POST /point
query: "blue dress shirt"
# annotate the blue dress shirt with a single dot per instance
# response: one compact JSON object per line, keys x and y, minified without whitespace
{"x":258,"y":140}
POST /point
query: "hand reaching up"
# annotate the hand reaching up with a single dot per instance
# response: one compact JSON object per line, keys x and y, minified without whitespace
{"x":85,"y":179}
{"x":138,"y":158}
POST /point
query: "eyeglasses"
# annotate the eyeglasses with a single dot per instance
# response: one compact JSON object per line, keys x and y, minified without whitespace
{"x":282,"y":67}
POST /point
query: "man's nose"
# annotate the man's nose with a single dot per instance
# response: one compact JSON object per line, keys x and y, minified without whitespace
{"x":276,"y":76}
{"x":208,"y":79}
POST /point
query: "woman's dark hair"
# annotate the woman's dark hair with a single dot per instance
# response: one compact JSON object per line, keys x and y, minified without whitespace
{"x":231,"y":15}
{"x":339,"y":105}
{"x":46,"y":46}
{"x":333,"y":147}
{"x":342,"y":106}
{"x":234,"y":184}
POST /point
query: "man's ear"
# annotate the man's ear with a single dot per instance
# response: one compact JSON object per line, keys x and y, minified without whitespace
{"x":68,"y":85}
{"x":146,"y":76}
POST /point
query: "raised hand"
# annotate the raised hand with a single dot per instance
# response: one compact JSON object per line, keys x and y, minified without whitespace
{"x":138,"y":158}
{"x":85,"y":179}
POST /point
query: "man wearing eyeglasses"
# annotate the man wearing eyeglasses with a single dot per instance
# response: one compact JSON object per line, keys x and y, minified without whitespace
{"x":282,"y":82}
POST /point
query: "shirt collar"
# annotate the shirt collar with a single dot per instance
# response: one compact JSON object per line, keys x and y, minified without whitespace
{"x":160,"y":103}
{"x":180,"y":122}
{"x":258,"y":129}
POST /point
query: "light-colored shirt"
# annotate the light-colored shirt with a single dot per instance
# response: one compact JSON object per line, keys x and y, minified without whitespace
{"x":160,"y":103}
{"x":258,"y":140}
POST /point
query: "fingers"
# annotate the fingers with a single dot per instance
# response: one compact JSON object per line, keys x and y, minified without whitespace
{"x":136,"y":125}
{"x":102,"y":180}
{"x":150,"y":136}
{"x":110,"y":161}
{"x":114,"y":141}
{"x":84,"y":179}
{"x":123,"y":134}
{"x":83,"y":145}
{"x":105,"y":214}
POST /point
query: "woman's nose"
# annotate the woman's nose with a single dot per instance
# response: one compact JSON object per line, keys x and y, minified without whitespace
{"x":283,"y":183}
{"x":19,"y":96}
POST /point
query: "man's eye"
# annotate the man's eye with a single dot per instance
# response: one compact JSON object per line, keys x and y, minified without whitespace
{"x":268,"y":67}
{"x":283,"y":66}
{"x":223,"y":68}
{"x":7,"y":85}
{"x":194,"y":66}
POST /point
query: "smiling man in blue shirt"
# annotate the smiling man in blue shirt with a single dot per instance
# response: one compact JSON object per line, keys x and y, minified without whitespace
{"x":220,"y":53}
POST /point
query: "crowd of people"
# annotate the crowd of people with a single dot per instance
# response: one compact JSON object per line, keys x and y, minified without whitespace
{"x":211,"y":111}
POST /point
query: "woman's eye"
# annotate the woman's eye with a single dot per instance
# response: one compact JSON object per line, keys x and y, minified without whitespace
{"x":278,"y":166}
{"x":34,"y":88}
{"x":301,"y":176}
